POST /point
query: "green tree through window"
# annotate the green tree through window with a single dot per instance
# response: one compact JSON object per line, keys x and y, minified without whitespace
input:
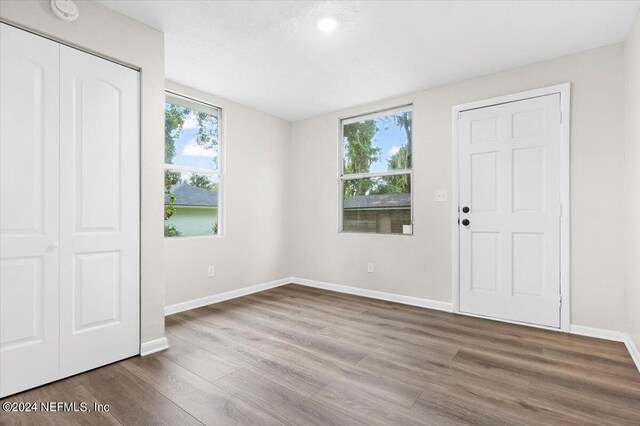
{"x":180,"y":115}
{"x":376,"y":149}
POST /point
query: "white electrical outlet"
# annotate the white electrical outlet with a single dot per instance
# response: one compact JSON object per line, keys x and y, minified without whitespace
{"x":212,"y":271}
{"x":441,"y":195}
{"x":369,"y":267}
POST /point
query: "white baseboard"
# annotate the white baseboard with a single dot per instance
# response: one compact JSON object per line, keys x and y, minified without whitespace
{"x":374,"y":294}
{"x":221,"y":297}
{"x":633,"y":350}
{"x":616,"y":336}
{"x":600,"y":333}
{"x":148,"y":348}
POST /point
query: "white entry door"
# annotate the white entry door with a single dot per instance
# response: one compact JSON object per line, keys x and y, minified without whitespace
{"x":29,"y":206}
{"x":509,"y":195}
{"x":69,"y":219}
{"x":99,"y":194}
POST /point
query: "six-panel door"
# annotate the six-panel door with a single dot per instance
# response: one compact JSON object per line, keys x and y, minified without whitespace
{"x":509,"y":174}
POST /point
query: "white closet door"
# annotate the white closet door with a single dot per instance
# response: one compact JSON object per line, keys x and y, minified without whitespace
{"x":510,"y":196}
{"x":99,"y":230}
{"x":28,"y":210}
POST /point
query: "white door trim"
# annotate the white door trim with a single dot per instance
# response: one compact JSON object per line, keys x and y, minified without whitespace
{"x":565,"y":196}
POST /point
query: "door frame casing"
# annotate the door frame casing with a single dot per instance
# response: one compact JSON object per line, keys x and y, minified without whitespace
{"x":564,"y":90}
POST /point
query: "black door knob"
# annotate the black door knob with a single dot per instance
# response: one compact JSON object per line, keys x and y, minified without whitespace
{"x":465,"y":222}
{"x":465,"y":210}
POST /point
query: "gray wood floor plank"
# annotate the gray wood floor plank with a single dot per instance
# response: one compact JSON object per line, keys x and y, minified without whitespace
{"x":205,"y":401}
{"x":131,"y":400}
{"x":281,"y":331}
{"x":370,"y":409}
{"x":68,"y":390}
{"x":197,"y":360}
{"x":308,"y":362}
{"x":248,"y":357}
{"x":286,"y":405}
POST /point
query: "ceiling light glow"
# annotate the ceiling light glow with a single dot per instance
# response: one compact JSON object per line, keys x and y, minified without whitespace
{"x":327,"y":24}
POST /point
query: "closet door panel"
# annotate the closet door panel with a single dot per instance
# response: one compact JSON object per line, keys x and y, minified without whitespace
{"x":29,"y":210}
{"x":99,"y":166}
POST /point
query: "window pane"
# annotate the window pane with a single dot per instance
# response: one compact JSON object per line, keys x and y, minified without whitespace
{"x":381,"y":204}
{"x":191,"y":134}
{"x":378,"y":144}
{"x":190,"y":204}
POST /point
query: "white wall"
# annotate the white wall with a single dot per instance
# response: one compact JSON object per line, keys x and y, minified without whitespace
{"x":111,"y":34}
{"x":281,"y":182}
{"x":632,"y":181}
{"x":420,"y":265}
{"x":254,"y":247}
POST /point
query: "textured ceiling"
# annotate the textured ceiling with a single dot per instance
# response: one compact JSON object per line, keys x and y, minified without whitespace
{"x":270,"y":55}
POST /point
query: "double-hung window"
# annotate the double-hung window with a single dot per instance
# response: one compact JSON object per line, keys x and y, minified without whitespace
{"x":375,"y":172}
{"x":192,"y":169}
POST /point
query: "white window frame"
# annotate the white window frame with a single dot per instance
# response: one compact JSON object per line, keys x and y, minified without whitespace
{"x":219,"y":172}
{"x":342,"y":176}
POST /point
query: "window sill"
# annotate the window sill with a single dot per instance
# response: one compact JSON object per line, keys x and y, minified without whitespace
{"x":375,"y":233}
{"x":193,"y":237}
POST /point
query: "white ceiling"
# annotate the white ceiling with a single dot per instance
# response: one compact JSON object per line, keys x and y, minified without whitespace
{"x":270,"y":55}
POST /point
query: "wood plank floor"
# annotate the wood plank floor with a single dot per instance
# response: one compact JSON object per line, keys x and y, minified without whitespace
{"x":296,"y":356}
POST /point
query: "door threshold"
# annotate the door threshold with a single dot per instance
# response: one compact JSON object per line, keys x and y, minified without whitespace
{"x":526,"y":324}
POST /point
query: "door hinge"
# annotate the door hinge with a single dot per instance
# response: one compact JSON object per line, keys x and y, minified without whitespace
{"x":561,"y":301}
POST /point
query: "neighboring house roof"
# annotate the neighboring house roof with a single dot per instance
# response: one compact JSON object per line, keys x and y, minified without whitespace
{"x":188,"y":195}
{"x":383,"y":201}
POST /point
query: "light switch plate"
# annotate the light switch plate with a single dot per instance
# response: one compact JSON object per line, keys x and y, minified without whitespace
{"x":212,"y":271}
{"x":441,"y":195}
